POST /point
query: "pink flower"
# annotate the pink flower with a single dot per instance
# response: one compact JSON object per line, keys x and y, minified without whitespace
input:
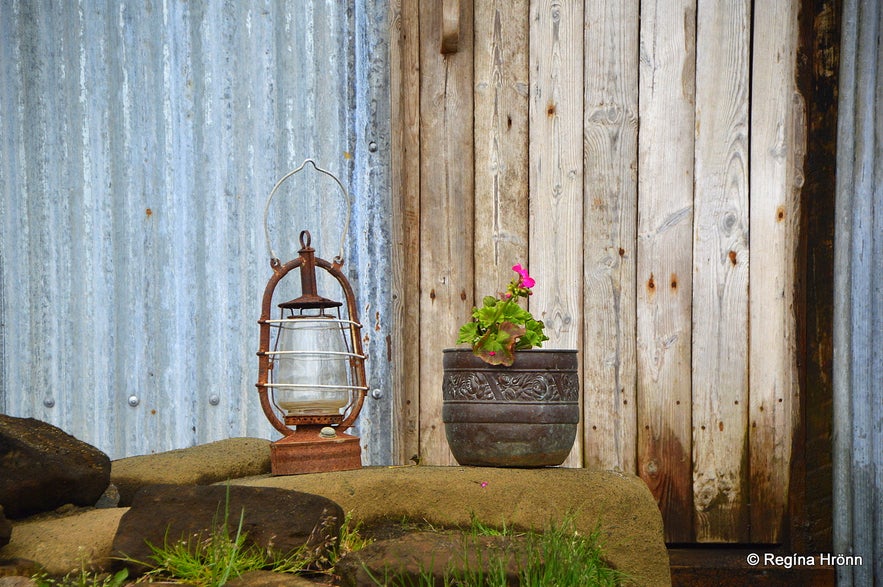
{"x":526,"y":280}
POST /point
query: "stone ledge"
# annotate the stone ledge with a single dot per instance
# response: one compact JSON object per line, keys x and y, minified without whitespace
{"x":65,"y":544}
{"x":621,"y":505}
{"x":199,"y":465}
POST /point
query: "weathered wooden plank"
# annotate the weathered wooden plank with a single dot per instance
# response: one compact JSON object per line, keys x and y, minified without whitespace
{"x":777,"y":149}
{"x":446,"y":212}
{"x":450,"y":26}
{"x":664,"y":265}
{"x":405,"y":224}
{"x":501,"y":141}
{"x":610,"y":207}
{"x":720,"y":272}
{"x":556,"y":173}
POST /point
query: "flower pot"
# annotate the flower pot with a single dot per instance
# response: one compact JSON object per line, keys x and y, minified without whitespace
{"x":525,"y":415}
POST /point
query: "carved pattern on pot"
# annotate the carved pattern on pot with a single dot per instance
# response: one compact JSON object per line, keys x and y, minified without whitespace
{"x":505,"y":386}
{"x":466,"y":386}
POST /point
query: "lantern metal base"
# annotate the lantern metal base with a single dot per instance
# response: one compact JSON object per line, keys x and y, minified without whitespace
{"x":304,"y":451}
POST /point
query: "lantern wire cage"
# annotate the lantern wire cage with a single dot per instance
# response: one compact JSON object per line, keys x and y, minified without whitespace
{"x":347,"y":326}
{"x":347,"y":330}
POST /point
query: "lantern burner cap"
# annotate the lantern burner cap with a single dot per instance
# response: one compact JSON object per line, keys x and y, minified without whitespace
{"x":309,"y":302}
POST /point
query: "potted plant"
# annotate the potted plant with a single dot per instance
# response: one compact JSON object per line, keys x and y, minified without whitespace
{"x":506,"y":403}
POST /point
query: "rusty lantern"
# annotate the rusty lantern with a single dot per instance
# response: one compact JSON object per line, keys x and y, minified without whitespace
{"x":311,"y":368}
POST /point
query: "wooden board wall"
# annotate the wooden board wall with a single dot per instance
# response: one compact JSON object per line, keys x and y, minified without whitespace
{"x":556,"y":174}
{"x":778,"y":147}
{"x":666,"y":81}
{"x":446,"y":211}
{"x":720,"y":270}
{"x":609,"y":244}
{"x":645,"y":165}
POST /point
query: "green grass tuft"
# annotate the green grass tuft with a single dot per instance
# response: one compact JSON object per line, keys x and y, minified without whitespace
{"x":560,"y":556}
{"x":212,"y":560}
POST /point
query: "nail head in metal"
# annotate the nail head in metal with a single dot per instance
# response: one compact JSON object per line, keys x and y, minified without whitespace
{"x":372,"y":147}
{"x":214,"y":399}
{"x":134,"y":401}
{"x":377,"y":393}
{"x":49,"y":402}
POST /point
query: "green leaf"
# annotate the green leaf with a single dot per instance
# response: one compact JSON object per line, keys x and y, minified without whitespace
{"x":468,"y":333}
{"x":486,"y":316}
{"x":533,"y":335}
{"x":514,"y":313}
{"x":501,"y":326}
{"x":497,"y":346}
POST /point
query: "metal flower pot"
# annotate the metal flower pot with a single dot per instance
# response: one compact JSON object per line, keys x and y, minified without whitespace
{"x":525,"y":415}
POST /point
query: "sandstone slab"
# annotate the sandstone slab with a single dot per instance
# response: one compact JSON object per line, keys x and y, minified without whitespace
{"x":410,"y":558}
{"x":621,"y":505}
{"x":17,"y":581}
{"x":61,"y":545}
{"x":618,"y":504}
{"x":199,"y":465}
{"x":269,"y":579}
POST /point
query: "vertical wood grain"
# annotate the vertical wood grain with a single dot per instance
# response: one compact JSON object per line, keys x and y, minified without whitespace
{"x":501,"y":142}
{"x":405,"y":255}
{"x":446,"y":214}
{"x":720,"y":273}
{"x":556,"y":174}
{"x":610,"y":207}
{"x":664,"y":266}
{"x":777,"y":150}
{"x":450,"y":26}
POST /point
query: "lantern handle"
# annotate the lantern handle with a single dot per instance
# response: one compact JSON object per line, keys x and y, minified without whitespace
{"x":339,"y":258}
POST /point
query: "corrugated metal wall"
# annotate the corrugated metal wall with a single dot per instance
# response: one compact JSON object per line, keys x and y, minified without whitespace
{"x":139,"y":143}
{"x":858,"y":313}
